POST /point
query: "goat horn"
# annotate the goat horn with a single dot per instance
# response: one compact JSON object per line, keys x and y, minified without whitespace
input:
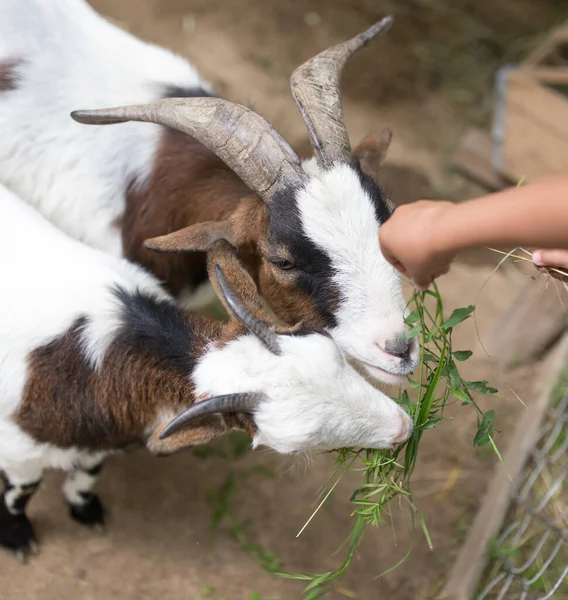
{"x":316,"y":90}
{"x":243,"y":403}
{"x":242,"y":139}
{"x":268,"y":338}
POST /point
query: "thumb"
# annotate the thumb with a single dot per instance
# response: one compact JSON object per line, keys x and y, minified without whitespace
{"x":550,"y":258}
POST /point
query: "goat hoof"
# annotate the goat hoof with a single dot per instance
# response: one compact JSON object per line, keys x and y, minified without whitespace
{"x":16,"y":534}
{"x":90,"y":513}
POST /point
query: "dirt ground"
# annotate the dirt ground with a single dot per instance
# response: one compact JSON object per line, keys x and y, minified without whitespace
{"x":427,"y":79}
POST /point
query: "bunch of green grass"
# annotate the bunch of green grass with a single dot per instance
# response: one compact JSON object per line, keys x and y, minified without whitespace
{"x":386,"y":474}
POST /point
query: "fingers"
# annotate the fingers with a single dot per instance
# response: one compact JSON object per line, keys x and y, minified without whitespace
{"x":422,"y":282}
{"x":390,"y":258}
{"x":555,"y":260}
{"x":550,"y":258}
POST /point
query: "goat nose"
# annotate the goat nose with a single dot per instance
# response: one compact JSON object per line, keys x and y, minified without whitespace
{"x":405,"y":428}
{"x":399,"y":347}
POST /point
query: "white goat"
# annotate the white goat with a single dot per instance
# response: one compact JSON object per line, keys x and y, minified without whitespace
{"x":106,"y":359}
{"x":307,"y":235}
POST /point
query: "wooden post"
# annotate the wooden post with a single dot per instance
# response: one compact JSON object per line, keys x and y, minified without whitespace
{"x":535,"y":320}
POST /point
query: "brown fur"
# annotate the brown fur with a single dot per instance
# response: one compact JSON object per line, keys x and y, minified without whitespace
{"x":288,"y":302}
{"x":189,"y":185}
{"x":166,"y":229}
{"x":102,"y":409}
{"x":119,"y":403}
{"x":9,"y":74}
{"x":371,"y":152}
{"x":156,"y":233}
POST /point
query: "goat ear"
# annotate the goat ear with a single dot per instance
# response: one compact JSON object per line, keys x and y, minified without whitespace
{"x":372,"y":152}
{"x":197,"y":434}
{"x":239,"y":279}
{"x":242,"y":227}
{"x":201,"y":236}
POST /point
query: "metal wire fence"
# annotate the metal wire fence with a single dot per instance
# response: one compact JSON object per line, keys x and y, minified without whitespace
{"x":529,"y":559}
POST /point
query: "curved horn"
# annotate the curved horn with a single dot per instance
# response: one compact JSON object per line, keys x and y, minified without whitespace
{"x":244,"y":402}
{"x":242,"y":139}
{"x":315,"y":87}
{"x":268,"y":338}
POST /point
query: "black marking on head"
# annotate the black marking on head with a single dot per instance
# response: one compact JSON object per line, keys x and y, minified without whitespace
{"x":177,"y":91}
{"x":314,"y":269}
{"x":377,"y":196}
{"x":155,"y":329}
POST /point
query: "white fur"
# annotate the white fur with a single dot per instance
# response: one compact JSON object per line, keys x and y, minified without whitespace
{"x":315,"y":399}
{"x":79,"y":481}
{"x":73,"y":58}
{"x":338,"y":216}
{"x":76,"y":175}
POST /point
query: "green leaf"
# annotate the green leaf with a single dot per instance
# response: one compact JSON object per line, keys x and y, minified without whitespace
{"x":432,"y":422}
{"x":405,"y":400}
{"x":452,"y":373}
{"x":484,"y":429}
{"x":462,"y":355}
{"x":207,"y":591}
{"x":425,"y":530}
{"x":429,"y":358}
{"x":414,"y":332}
{"x":462,"y":395}
{"x":480,"y":386}
{"x":413,"y":384}
{"x":459,"y":315}
{"x":413,"y":317}
{"x":254,"y":595}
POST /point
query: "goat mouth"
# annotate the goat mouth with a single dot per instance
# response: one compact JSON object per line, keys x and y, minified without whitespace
{"x":382,"y":374}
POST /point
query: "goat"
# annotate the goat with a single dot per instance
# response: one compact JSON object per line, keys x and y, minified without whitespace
{"x":308,"y":233}
{"x":107,"y":359}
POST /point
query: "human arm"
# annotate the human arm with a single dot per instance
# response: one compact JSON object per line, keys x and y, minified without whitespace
{"x":423,"y":238}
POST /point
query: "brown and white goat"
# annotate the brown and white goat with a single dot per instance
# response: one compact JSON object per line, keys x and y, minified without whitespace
{"x":104,"y":358}
{"x":307,"y":232}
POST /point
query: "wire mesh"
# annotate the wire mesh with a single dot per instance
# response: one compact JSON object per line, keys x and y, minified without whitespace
{"x":529,"y":559}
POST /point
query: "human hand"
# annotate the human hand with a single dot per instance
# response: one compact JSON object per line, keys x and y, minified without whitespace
{"x":411,"y":241}
{"x":557,"y":259}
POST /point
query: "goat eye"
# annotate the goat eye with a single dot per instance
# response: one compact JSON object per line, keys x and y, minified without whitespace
{"x":285,"y":265}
